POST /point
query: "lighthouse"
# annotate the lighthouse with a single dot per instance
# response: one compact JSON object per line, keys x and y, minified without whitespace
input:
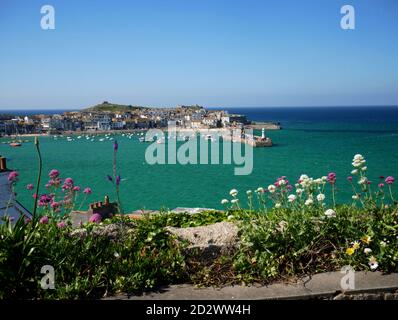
{"x":263,"y":134}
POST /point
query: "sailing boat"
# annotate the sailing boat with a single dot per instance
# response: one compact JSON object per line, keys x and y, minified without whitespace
{"x":15,"y":143}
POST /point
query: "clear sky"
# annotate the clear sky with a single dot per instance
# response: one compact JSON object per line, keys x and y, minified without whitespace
{"x":211,"y":52}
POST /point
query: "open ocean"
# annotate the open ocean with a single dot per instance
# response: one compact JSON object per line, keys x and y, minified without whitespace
{"x":314,"y":141}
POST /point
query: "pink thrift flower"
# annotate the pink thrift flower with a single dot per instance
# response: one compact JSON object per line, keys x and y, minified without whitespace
{"x":95,"y":218}
{"x":381,"y":185}
{"x":29,"y":186}
{"x":389,"y":180}
{"x":349,"y":178}
{"x":55,"y":205}
{"x":53,"y":174}
{"x":13,"y":176}
{"x":331,"y":177}
{"x":76,"y":188}
{"x":44,"y":220}
{"x":61,"y":224}
{"x":69,"y":181}
{"x":87,"y":191}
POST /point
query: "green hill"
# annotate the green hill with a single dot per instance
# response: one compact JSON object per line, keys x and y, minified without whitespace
{"x":113,"y":107}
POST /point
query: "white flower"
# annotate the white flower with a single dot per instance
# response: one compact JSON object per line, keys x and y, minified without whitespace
{"x":355,"y":171}
{"x":233,"y":201}
{"x":291,"y":198}
{"x":281,"y":182}
{"x":324,"y":178}
{"x":233,"y":192}
{"x":363,"y":180}
{"x":355,"y":197}
{"x":230,"y":217}
{"x":383,"y":243}
{"x":320,"y":197}
{"x":373,"y":263}
{"x":249,"y":192}
{"x":309,"y":202}
{"x":116,"y":255}
{"x":277,"y":205}
{"x":303,"y":177}
{"x":271,"y":188}
{"x":364,"y":168}
{"x":330,"y":213}
{"x":299,"y":191}
{"x":358,"y":157}
{"x":260,"y":190}
{"x":224,"y":201}
{"x":367,"y":250}
{"x":297,"y":185}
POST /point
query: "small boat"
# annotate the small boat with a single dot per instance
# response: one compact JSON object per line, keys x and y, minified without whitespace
{"x":15,"y":144}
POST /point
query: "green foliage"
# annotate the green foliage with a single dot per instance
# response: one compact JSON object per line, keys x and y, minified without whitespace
{"x":283,"y":242}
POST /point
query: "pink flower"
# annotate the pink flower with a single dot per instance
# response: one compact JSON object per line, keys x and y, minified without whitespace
{"x":53,"y":174}
{"x":76,"y":188}
{"x":381,"y":185}
{"x":69,"y":181}
{"x":349,"y":178}
{"x":87,"y":191}
{"x":389,"y":180}
{"x":331,"y":178}
{"x":13,"y":176}
{"x":48,"y":185}
{"x":95,"y":218}
{"x":44,"y":220}
{"x":61,"y":224}
{"x":55,"y":205}
{"x":29,"y":186}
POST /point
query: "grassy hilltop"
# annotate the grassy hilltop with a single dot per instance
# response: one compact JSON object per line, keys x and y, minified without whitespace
{"x":113,"y":107}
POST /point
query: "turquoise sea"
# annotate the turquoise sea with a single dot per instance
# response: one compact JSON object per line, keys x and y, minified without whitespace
{"x":314,"y":141}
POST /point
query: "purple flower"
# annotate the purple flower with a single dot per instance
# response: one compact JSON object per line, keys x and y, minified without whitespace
{"x":115,"y":146}
{"x":95,"y":218}
{"x":44,"y":220}
{"x":87,"y":191}
{"x":13,"y":176}
{"x":29,"y":186}
{"x":331,"y":178}
{"x":61,"y":224}
{"x":389,"y":180}
{"x":117,"y":180}
{"x":53,"y":174}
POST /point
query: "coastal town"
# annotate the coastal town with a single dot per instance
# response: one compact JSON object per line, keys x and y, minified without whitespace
{"x":107,"y":117}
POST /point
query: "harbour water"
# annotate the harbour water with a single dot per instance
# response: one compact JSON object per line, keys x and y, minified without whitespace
{"x":314,"y":141}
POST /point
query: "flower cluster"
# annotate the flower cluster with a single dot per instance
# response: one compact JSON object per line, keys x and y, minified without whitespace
{"x":60,"y":197}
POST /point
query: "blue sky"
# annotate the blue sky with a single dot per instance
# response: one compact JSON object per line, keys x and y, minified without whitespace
{"x":211,"y":52}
